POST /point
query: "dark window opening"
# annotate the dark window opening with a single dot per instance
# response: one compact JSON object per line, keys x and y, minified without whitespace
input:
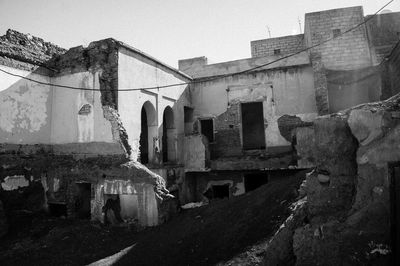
{"x":217,"y":192}
{"x":57,"y":209}
{"x":336,"y":33}
{"x":254,"y":181}
{"x":394,"y":170}
{"x":253,"y":126}
{"x":143,"y":142}
{"x":82,"y":201}
{"x":168,"y":143}
{"x":164,"y":140}
{"x":207,"y":129}
{"x":277,"y":51}
{"x":188,"y":119}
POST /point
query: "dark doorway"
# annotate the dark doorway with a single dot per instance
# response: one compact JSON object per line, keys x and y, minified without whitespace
{"x":253,"y":126}
{"x":57,"y":209}
{"x":82,"y":202}
{"x":217,"y":192}
{"x":143,"y":142}
{"x":168,"y":144}
{"x":394,"y":170}
{"x":255,"y":180}
{"x":188,"y":119}
{"x":207,"y":129}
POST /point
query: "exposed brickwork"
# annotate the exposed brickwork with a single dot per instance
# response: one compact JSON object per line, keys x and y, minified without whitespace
{"x":286,"y":45}
{"x":348,"y":51}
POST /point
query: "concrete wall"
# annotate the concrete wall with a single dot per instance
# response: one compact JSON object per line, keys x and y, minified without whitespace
{"x":25,"y":108}
{"x":137,"y":71}
{"x":286,"y":45}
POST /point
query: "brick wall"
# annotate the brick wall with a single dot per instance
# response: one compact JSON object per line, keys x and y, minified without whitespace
{"x":286,"y":45}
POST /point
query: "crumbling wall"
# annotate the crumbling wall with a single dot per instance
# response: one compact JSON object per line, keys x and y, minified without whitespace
{"x":347,"y":217}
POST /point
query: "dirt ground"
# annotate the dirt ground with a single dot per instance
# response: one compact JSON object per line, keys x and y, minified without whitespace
{"x":226,"y":232}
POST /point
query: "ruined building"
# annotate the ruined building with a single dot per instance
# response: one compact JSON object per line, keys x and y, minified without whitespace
{"x":97,"y":127}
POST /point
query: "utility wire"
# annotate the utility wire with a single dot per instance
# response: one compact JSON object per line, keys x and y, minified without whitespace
{"x":198,"y":80}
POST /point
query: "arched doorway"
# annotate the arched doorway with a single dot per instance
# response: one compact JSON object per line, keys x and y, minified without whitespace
{"x":148,"y":121}
{"x":168,"y":135}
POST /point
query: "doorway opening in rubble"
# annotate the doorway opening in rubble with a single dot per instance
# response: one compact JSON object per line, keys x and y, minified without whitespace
{"x":394,"y":171}
{"x":207,"y":128}
{"x":253,"y":126}
{"x":82,"y":201}
{"x":253,"y":181}
{"x":147,"y":127}
{"x":217,"y":192}
{"x":57,"y":209}
{"x":168,"y":143}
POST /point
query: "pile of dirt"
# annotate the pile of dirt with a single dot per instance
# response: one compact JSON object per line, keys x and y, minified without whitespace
{"x":227,"y":232}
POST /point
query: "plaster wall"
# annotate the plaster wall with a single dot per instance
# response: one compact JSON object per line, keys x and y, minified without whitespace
{"x":68,"y":126}
{"x":282,"y":91}
{"x":25,"y":108}
{"x":136,"y":71}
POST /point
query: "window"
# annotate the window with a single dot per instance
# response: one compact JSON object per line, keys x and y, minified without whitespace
{"x":188,"y":119}
{"x":207,"y":129}
{"x":253,"y":132}
{"x":277,"y":51}
{"x":336,"y":32}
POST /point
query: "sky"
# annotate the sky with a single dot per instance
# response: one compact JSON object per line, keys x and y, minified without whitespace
{"x":169,"y":30}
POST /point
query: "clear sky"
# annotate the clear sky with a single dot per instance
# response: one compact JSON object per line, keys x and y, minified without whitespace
{"x":168,"y":29}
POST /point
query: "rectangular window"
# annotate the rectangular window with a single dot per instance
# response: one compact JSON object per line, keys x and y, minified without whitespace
{"x":336,"y":32}
{"x":207,"y":129}
{"x":253,"y":126}
{"x":277,"y":51}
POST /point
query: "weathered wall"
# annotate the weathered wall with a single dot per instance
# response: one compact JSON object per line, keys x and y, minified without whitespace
{"x":349,"y":51}
{"x":282,"y":91}
{"x":78,"y":110}
{"x":390,"y":78}
{"x":286,"y":44}
{"x":25,"y":108}
{"x":137,"y":71}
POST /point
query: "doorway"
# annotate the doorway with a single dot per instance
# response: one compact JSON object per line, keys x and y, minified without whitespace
{"x":82,"y":202}
{"x":253,"y":126}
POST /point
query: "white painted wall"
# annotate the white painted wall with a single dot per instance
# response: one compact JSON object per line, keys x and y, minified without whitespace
{"x":25,"y":108}
{"x":136,"y":71}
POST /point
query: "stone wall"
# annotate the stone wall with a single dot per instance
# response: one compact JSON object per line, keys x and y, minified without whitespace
{"x":286,"y":45}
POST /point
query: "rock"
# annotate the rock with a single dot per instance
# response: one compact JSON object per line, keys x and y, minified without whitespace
{"x":323,"y":178}
{"x":365,"y":125}
{"x":3,"y":221}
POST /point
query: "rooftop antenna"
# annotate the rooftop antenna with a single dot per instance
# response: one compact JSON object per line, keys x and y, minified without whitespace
{"x":269,"y":32}
{"x":298,"y":19}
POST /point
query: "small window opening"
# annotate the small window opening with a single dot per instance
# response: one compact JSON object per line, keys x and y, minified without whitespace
{"x":277,"y":51}
{"x":336,"y":32}
{"x":207,"y":129}
{"x":253,"y":126}
{"x":255,"y":180}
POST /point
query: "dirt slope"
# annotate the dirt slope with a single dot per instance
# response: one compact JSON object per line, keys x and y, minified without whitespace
{"x":234,"y":230}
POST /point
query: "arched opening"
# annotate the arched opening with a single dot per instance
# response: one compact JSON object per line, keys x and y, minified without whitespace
{"x":168,"y":132}
{"x":147,"y":127}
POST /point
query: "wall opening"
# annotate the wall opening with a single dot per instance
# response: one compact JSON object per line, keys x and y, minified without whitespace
{"x":255,"y":180}
{"x":112,"y":209}
{"x":129,"y":207}
{"x":147,"y":125}
{"x":82,"y":201}
{"x":394,"y":170}
{"x":217,"y":192}
{"x":168,"y":139}
{"x":253,"y":126}
{"x":207,"y":129}
{"x":57,"y":209}
{"x":188,"y":119}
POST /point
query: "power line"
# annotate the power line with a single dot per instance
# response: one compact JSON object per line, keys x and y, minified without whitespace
{"x":215,"y":77}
